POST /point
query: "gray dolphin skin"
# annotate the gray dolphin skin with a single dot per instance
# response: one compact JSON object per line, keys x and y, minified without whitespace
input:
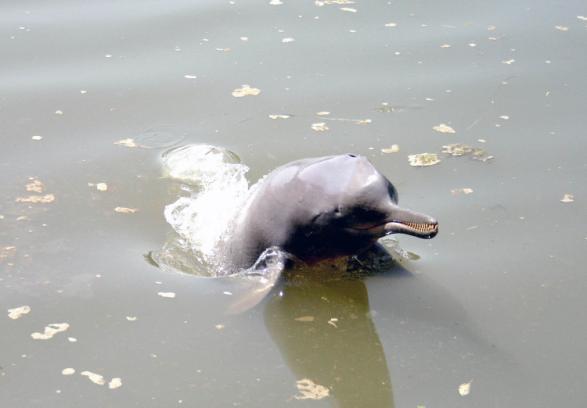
{"x":321,"y":208}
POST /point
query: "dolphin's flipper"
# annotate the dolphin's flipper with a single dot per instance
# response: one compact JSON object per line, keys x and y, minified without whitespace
{"x":256,"y":282}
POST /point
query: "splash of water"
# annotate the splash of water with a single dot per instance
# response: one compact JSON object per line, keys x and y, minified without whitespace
{"x":214,"y":191}
{"x":215,"y":187}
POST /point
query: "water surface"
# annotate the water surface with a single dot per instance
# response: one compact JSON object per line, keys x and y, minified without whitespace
{"x":494,"y":301}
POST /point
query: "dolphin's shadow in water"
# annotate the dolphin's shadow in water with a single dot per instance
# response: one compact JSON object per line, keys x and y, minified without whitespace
{"x":320,"y":319}
{"x":325,"y":333}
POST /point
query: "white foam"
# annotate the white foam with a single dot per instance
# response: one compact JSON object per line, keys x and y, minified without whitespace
{"x":216,"y":185}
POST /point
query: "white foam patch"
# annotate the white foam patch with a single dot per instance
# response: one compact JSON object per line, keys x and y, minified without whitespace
{"x":216,"y":187}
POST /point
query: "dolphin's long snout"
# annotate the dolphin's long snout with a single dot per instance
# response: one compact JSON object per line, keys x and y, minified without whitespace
{"x":404,"y":221}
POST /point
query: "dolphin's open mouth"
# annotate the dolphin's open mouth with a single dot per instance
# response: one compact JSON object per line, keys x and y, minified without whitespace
{"x":400,"y":221}
{"x":427,"y":229}
{"x":403,"y":221}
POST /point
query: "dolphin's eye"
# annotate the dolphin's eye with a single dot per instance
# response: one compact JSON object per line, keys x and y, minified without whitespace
{"x":338,"y":212}
{"x":392,"y":193}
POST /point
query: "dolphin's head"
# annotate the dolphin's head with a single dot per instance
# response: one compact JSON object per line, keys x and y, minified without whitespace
{"x":356,"y":205}
{"x":371,"y":207}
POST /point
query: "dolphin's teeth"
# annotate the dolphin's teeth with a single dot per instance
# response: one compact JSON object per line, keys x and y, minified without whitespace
{"x":421,"y":227}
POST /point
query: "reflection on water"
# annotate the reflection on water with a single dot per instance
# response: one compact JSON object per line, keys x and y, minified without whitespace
{"x":325,"y":332}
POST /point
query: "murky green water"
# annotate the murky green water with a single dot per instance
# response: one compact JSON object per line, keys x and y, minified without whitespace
{"x":496,"y":300}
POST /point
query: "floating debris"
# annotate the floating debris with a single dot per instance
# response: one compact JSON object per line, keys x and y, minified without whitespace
{"x":323,"y":113}
{"x":102,"y":187}
{"x":94,"y":377}
{"x":465,"y":190}
{"x":583,"y":18}
{"x":7,"y":252}
{"x":131,"y":318}
{"x":391,"y":25}
{"x":321,"y":3}
{"x":443,"y":128}
{"x":481,"y":155}
{"x":128,"y":142}
{"x":35,"y":185}
{"x":391,"y":149}
{"x":50,"y":331}
{"x":348,"y":9}
{"x":37,"y":137}
{"x":388,"y":108}
{"x":246,"y":90}
{"x":287,"y":40}
{"x":276,"y":2}
{"x":37,"y":199}
{"x":319,"y":127}
{"x":355,"y":121}
{"x":18,"y":312}
{"x":332,"y":321}
{"x":59,"y":112}
{"x":445,"y":46}
{"x":72,"y":339}
{"x":68,"y":371}
{"x":115,"y":383}
{"x":304,"y":319}
{"x":168,"y":295}
{"x":459,"y":149}
{"x":465,"y":389}
{"x":126,"y":210}
{"x":279,"y":116}
{"x":567,"y":198}
{"x":504,"y":117}
{"x":561,"y":28}
{"x":423,"y":159}
{"x":310,"y":390}
{"x":508,"y":62}
{"x":189,"y":76}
